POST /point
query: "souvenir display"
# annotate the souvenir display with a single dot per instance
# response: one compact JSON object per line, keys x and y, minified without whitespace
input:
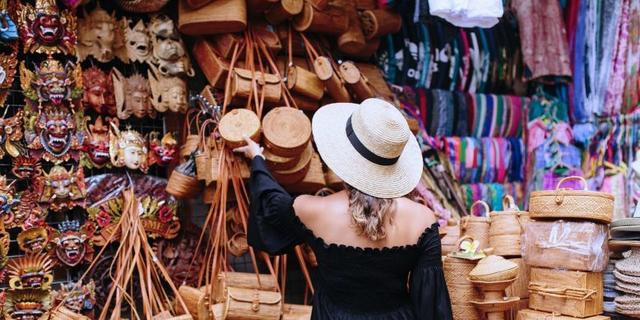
{"x":133,"y":96}
{"x":101,"y":35}
{"x":47,"y":29}
{"x":98,"y":91}
{"x":62,"y":188}
{"x":77,"y":298}
{"x":163,"y":151}
{"x":34,"y":239}
{"x":56,"y":134}
{"x":138,"y":42}
{"x":128,"y":149}
{"x":73,"y":243}
{"x":25,"y":168}
{"x":96,"y":149}
{"x":52,"y":83}
{"x":169,"y":52}
{"x":178,"y":256}
{"x":8,"y":68}
{"x":169,"y":93}
{"x":11,"y":135}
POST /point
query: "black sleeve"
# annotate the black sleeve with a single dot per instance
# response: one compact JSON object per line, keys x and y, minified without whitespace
{"x":273,"y":224}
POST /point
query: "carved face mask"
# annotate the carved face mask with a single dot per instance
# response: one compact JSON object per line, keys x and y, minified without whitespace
{"x":98,"y":146}
{"x":27,"y":304}
{"x":138,"y":42}
{"x":26,"y":213}
{"x":80,"y":299}
{"x":56,"y":137}
{"x":25,"y":168}
{"x":32,"y":271}
{"x":169,"y":51}
{"x":101,"y":36}
{"x":128,"y":149}
{"x":62,"y":188}
{"x":98,"y":91}
{"x":51,"y":82}
{"x":72,"y":243}
{"x":10,"y":135}
{"x":133,"y":96}
{"x":163,"y":152}
{"x":33,"y":240}
{"x":44,"y":29}
{"x":169,"y":93}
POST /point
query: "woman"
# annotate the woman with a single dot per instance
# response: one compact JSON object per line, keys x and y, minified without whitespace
{"x":378,"y":253}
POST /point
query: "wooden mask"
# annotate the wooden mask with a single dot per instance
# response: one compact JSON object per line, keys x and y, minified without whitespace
{"x":8,"y":68}
{"x":52,"y":82}
{"x":128,"y":148}
{"x":163,"y":151}
{"x":46,"y":29}
{"x":138,"y":42}
{"x":133,"y":96}
{"x":169,"y":93}
{"x":55,"y":135}
{"x":72,"y":243}
{"x":10,"y":135}
{"x":101,"y":35}
{"x":62,"y":188}
{"x":169,"y":52}
{"x":96,"y":149}
{"x":98,"y":91}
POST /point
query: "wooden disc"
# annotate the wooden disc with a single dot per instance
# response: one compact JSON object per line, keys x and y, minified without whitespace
{"x":350,"y":73}
{"x":303,"y":21}
{"x":323,"y":69}
{"x":298,"y":172}
{"x":286,"y":131}
{"x":238,"y":123}
{"x":292,"y":7}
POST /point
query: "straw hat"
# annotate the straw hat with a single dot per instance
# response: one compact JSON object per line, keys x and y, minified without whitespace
{"x":369,"y":146}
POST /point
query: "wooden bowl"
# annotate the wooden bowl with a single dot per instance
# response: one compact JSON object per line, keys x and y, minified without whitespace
{"x":286,"y":131}
{"x":298,"y":172}
{"x":238,"y":123}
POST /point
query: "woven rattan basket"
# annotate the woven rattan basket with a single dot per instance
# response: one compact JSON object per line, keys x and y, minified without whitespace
{"x":477,"y":227}
{"x":286,"y":131}
{"x":505,"y":231}
{"x":238,"y":123}
{"x":461,"y":290}
{"x":571,"y":204}
{"x":494,"y":268}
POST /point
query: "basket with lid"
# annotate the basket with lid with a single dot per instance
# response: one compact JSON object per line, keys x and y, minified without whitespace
{"x":505,"y":230}
{"x":571,"y":204}
{"x":286,"y":131}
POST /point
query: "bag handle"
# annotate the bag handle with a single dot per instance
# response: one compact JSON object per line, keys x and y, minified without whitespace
{"x":564,"y":293}
{"x":482,"y":204}
{"x":573,"y":178}
{"x":508,"y":204}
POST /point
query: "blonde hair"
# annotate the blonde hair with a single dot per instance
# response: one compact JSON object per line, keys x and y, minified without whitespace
{"x":368,"y":212}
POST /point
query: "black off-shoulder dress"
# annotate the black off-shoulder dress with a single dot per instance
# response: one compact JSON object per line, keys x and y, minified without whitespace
{"x":396,"y":283}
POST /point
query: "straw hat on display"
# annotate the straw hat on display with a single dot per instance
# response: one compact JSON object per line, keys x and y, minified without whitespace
{"x":369,"y":146}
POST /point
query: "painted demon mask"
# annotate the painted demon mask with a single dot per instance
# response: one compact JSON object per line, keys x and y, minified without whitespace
{"x":163,"y":151}
{"x":27,"y":304}
{"x":62,"y":188}
{"x":133,"y":96}
{"x":10,"y":135}
{"x":97,"y":146}
{"x":98,"y":91}
{"x":52,"y":82}
{"x":72,"y":243}
{"x":138,"y":42}
{"x":54,"y":135}
{"x":8,"y":198}
{"x":8,"y":68}
{"x":45,"y":29}
{"x":169,"y":53}
{"x":169,"y":93}
{"x":27,"y":213}
{"x":100,"y":35}
{"x":80,"y":299}
{"x":25,"y":168}
{"x":32,"y":271}
{"x":128,"y":148}
{"x":34,"y":240}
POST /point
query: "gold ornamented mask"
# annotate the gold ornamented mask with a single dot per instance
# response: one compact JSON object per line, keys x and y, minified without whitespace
{"x":169,"y":52}
{"x":25,"y":168}
{"x":62,"y":188}
{"x":32,"y":271}
{"x":80,"y":299}
{"x":8,"y":68}
{"x":34,"y":240}
{"x":46,"y":29}
{"x":72,"y":243}
{"x":10,"y":135}
{"x":169,"y":93}
{"x":163,"y":151}
{"x":52,"y":83}
{"x":26,"y":213}
{"x":101,"y":35}
{"x":55,"y":135}
{"x":128,"y":148}
{"x":138,"y":42}
{"x":27,"y":304}
{"x":133,"y":96}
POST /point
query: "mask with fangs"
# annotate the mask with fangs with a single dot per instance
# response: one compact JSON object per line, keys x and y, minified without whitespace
{"x":52,"y":82}
{"x":62,"y":188}
{"x":46,"y":29}
{"x":73,"y":243}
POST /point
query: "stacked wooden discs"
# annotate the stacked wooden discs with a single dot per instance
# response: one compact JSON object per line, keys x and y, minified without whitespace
{"x":287,"y":140}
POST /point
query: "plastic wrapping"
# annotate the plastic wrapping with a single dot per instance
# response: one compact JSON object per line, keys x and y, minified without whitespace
{"x":567,"y":245}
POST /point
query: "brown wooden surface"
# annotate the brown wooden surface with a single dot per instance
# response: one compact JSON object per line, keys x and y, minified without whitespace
{"x":283,"y":10}
{"x":529,"y":314}
{"x":326,"y":73}
{"x":380,"y":22}
{"x":220,"y":16}
{"x":304,"y":82}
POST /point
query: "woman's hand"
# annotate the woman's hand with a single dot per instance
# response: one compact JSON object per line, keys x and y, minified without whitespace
{"x":251,"y":150}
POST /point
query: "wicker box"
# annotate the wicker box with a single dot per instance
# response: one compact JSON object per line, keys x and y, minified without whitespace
{"x":528,"y":314}
{"x":566,"y":245}
{"x":571,"y":293}
{"x":520,"y":288}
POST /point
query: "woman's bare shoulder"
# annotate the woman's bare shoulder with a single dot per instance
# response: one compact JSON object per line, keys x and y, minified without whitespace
{"x":310,"y":208}
{"x":416,"y":214}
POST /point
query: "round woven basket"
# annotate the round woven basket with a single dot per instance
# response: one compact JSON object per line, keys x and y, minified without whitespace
{"x":297,"y":173}
{"x":465,"y":312}
{"x":477,"y":227}
{"x":275,"y":162}
{"x":494,"y":268}
{"x":190,"y":145}
{"x":238,"y":244}
{"x":286,"y":131}
{"x":508,"y":245}
{"x":564,"y":203}
{"x":238,"y":123}
{"x":183,"y":186}
{"x":505,"y":230}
